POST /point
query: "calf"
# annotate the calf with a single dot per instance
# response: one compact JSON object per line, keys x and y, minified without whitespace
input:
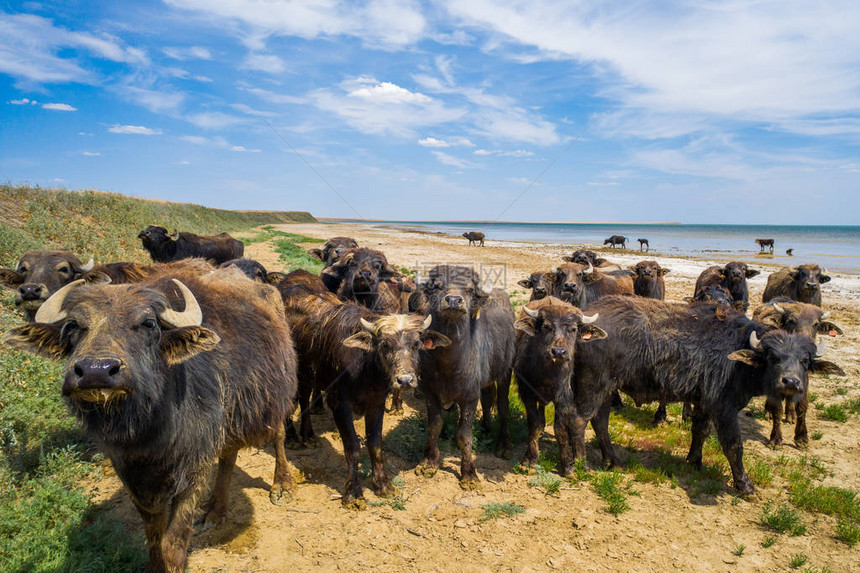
{"x":807,"y":319}
{"x":581,"y":286}
{"x":733,"y":277}
{"x":356,"y":357}
{"x":643,"y":245}
{"x":801,"y":283}
{"x":616,"y":240}
{"x":547,"y":333}
{"x":39,"y":274}
{"x":661,"y":351}
{"x":475,"y":237}
{"x":333,"y":249}
{"x":164,"y":247}
{"x":164,"y":392}
{"x":541,"y":284}
{"x":479,"y":323}
{"x":649,"y":280}
{"x":762,"y":243}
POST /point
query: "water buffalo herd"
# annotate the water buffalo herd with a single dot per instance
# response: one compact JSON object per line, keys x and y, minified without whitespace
{"x":174,"y":365}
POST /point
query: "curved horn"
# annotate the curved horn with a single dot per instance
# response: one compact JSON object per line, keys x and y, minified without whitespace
{"x":589,"y":319}
{"x":485,"y":288}
{"x":89,"y":266}
{"x":825,"y":316}
{"x":426,"y":324}
{"x":754,"y":341}
{"x":191,"y":316}
{"x":174,"y":235}
{"x":778,"y":308}
{"x":368,"y":326}
{"x":49,"y":312}
{"x":822,"y":348}
{"x":589,"y":270}
{"x":531,"y":312}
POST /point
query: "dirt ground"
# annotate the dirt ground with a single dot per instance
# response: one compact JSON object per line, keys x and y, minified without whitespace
{"x":441,"y":529}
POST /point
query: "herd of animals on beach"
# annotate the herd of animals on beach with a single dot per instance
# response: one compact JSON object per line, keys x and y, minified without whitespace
{"x":173,"y":364}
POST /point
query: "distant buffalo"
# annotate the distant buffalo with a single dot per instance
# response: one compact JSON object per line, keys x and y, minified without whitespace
{"x":649,"y":280}
{"x":801,"y":283}
{"x":585,"y":258}
{"x":475,"y":237}
{"x":165,"y":247}
{"x":762,"y":243}
{"x":616,"y":240}
{"x":643,"y":245}
{"x":333,"y":249}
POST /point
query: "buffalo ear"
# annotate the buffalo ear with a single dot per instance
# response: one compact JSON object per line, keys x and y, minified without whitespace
{"x":180,"y":344}
{"x":823,"y":279}
{"x":37,"y":338}
{"x":567,"y":258}
{"x":526,"y":325}
{"x":747,"y":357}
{"x":771,"y":320}
{"x":331,"y":278}
{"x":316,"y":253}
{"x":599,"y":262}
{"x":592,"y":277}
{"x":11,"y":278}
{"x":664,"y":272}
{"x":361,"y":340}
{"x":825,"y":326}
{"x":589,"y":332}
{"x":274,"y":278}
{"x":827,"y":367}
{"x":525,"y":283}
{"x":433,"y":340}
{"x":750,"y":273}
{"x":96,"y":278}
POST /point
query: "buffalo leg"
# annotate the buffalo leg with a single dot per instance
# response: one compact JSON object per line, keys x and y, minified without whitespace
{"x":801,"y":438}
{"x":396,"y":402}
{"x":536,"y":417}
{"x":687,"y":411}
{"x":373,"y":432}
{"x":468,"y":475}
{"x":565,"y":433}
{"x":317,"y":404}
{"x":216,"y":506}
{"x":617,"y":401}
{"x":790,"y":411}
{"x":352,"y":494}
{"x":503,"y":442}
{"x":488,"y":396}
{"x":774,"y":407}
{"x":729,"y":433}
{"x":660,"y":416}
{"x":174,"y":544}
{"x":430,"y":464}
{"x":282,"y":483}
{"x":154,"y":527}
{"x":600,"y":424}
{"x":701,"y":430}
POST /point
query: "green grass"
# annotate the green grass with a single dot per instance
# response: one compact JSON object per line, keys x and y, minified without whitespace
{"x":295,"y":256}
{"x":853,"y":405}
{"x":549,"y":482}
{"x":768,"y":541}
{"x":739,"y":549}
{"x":782,"y":520}
{"x":496,"y":510}
{"x":841,"y":391}
{"x":611,"y":487}
{"x":817,"y":435}
{"x":833,"y":412}
{"x":47,"y":520}
{"x":848,"y":531}
{"x":798,"y":560}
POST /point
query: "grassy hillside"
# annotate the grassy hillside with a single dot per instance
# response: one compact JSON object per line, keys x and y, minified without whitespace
{"x":47,"y":521}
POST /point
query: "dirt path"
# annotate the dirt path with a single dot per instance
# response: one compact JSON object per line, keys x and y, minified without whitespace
{"x":440,"y":527}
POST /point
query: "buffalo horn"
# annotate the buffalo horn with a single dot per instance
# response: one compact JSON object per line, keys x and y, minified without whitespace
{"x":589,"y":319}
{"x":368,"y":326}
{"x":174,"y":235}
{"x":485,"y":288}
{"x":822,"y":348}
{"x":589,"y":270}
{"x":825,"y":316}
{"x":49,"y":312}
{"x":89,"y":266}
{"x":426,"y":324}
{"x":754,"y":341}
{"x":778,"y":308}
{"x":191,"y":316}
{"x":531,"y":312}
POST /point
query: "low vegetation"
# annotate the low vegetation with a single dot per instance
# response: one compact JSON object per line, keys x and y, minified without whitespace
{"x":497,"y":510}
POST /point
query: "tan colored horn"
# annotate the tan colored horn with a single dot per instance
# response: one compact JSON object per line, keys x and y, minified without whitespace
{"x":825,"y":316}
{"x":49,"y":312}
{"x":191,"y":316}
{"x":531,"y":312}
{"x":754,"y":341}
{"x":174,"y":235}
{"x":89,"y":266}
{"x":589,"y":319}
{"x":368,"y":326}
{"x":589,"y":270}
{"x":778,"y":308}
{"x":822,"y":347}
{"x":426,"y":324}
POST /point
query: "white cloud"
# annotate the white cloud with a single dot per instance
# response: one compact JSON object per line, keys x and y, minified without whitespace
{"x":91,"y":153}
{"x":448,"y":159}
{"x":59,"y":107}
{"x":156,"y":101}
{"x":134,"y":129}
{"x":383,"y":92}
{"x":188,"y":53}
{"x":244,"y":149}
{"x":212,"y":120}
{"x":183,"y":162}
{"x":22,"y":101}
{"x":86,"y":133}
{"x":500,"y":153}
{"x":433,"y":142}
{"x":264,"y":63}
{"x":273,"y":97}
{"x":216,"y":141}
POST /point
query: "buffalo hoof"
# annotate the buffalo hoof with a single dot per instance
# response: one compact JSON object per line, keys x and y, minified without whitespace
{"x":311,"y":442}
{"x":396,"y":411}
{"x":384,"y":489}
{"x":774,"y":443}
{"x":471,"y":483}
{"x":209,"y":520}
{"x":567,"y":472}
{"x":504,"y":452}
{"x":745,"y":488}
{"x":697,"y":464}
{"x":802,"y":443}
{"x":354,"y":503}
{"x":790,"y":419}
{"x":279,"y":495}
{"x":426,"y":469}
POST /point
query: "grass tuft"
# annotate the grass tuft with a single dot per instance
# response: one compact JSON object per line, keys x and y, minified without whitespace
{"x":611,"y":487}
{"x":497,"y":510}
{"x":798,"y":560}
{"x":783,"y":520}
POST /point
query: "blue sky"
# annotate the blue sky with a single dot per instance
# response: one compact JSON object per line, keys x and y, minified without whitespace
{"x":699,"y":112}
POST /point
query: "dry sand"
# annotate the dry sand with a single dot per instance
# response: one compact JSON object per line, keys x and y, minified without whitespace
{"x":441,"y":529}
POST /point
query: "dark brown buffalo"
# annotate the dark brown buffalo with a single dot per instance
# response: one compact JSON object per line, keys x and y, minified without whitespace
{"x":39,"y":274}
{"x":479,"y":322}
{"x":801,"y":283}
{"x":580,"y":286}
{"x":762,"y":243}
{"x":585,"y":258}
{"x":547,"y":333}
{"x":357,"y":357}
{"x":540,"y":284}
{"x":616,"y":240}
{"x":648,"y":281}
{"x":164,"y":392}
{"x":475,"y":237}
{"x":164,"y":247}
{"x":644,"y":245}
{"x":333,"y":249}
{"x":255,"y":271}
{"x":357,"y":276}
{"x":733,"y":277}
{"x":661,"y":351}
{"x":125,"y":272}
{"x":809,"y":320}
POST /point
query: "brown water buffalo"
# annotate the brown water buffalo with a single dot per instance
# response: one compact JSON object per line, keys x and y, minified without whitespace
{"x":585,"y":257}
{"x":581,"y":285}
{"x":479,"y":323}
{"x":762,"y":243}
{"x":164,"y":247}
{"x":648,"y":281}
{"x":547,"y":333}
{"x":39,"y":274}
{"x":540,"y":284}
{"x":801,"y":283}
{"x":733,"y":276}
{"x":333,"y":249}
{"x":357,"y":276}
{"x":356,"y":357}
{"x":662,"y":351}
{"x":616,"y":240}
{"x":644,"y":245}
{"x":809,"y":320}
{"x":163,"y":392}
{"x":476,"y":237}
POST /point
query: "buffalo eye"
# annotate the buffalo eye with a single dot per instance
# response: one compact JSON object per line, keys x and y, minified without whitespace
{"x":149,"y":324}
{"x":68,"y":329}
{"x":377,"y":265}
{"x":64,"y":269}
{"x":804,"y":362}
{"x":22,"y":269}
{"x":384,"y":345}
{"x":351,"y":263}
{"x":572,"y":328}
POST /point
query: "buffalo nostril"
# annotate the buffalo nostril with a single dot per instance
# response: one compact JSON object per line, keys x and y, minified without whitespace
{"x":791,"y":382}
{"x":453,"y":300}
{"x":30,"y":291}
{"x":405,"y":380}
{"x":559,"y":351}
{"x":79,"y":372}
{"x":97,"y":371}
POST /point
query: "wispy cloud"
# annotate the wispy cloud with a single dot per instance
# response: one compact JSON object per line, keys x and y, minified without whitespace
{"x":22,"y":101}
{"x":216,"y":141}
{"x":59,"y":107}
{"x":244,"y":149}
{"x":500,"y":153}
{"x":213,"y":120}
{"x":268,"y":63}
{"x":134,"y":129}
{"x":91,"y":153}
{"x":451,"y":160}
{"x":188,"y":53}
